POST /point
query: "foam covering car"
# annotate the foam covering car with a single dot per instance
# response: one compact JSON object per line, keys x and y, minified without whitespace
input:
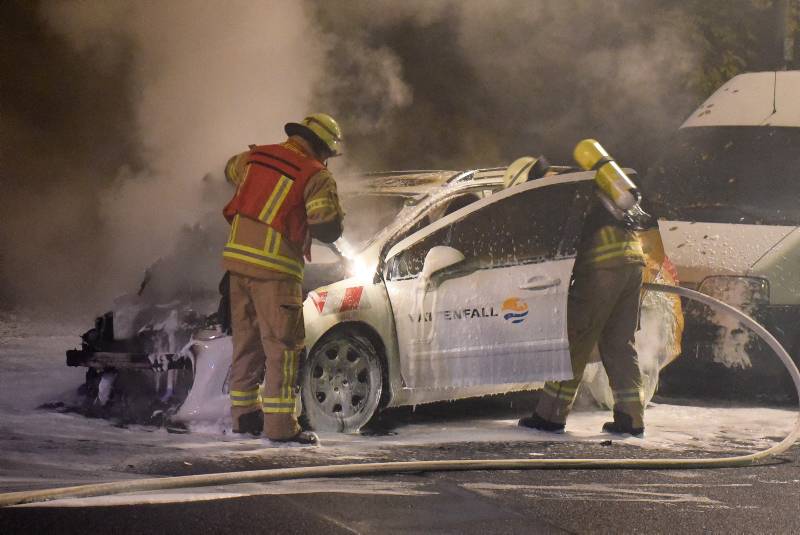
{"x":445,"y":286}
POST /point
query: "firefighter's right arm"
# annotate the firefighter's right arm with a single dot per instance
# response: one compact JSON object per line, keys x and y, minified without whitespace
{"x":325,"y":215}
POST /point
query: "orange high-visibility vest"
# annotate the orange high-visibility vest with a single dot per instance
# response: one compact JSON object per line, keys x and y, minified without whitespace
{"x":273,"y":191}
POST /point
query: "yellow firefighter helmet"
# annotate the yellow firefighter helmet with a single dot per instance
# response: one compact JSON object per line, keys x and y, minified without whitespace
{"x":323,"y":127}
{"x":526,"y":168}
{"x":517,"y":172}
{"x":234,"y":169}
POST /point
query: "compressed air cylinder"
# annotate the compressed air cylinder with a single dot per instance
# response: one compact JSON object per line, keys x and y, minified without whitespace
{"x":611,"y":179}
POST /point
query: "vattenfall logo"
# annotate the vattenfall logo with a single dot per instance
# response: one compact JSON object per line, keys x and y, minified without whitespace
{"x":515,"y":310}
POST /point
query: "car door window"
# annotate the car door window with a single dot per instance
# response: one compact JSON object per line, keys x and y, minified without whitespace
{"x":522,"y":229}
{"x":441,"y":208}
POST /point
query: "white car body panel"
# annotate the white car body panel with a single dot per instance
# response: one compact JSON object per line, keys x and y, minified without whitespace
{"x":752,"y":99}
{"x":780,"y":266}
{"x":700,"y":249}
{"x":209,"y":399}
{"x":482,"y":328}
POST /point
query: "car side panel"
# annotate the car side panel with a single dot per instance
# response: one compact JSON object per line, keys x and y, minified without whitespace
{"x":483,"y":329}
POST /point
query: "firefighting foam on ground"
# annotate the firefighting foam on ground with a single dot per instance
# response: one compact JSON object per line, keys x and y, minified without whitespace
{"x":442,"y":305}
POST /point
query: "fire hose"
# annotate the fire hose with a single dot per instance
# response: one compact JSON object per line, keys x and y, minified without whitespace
{"x":366,"y":469}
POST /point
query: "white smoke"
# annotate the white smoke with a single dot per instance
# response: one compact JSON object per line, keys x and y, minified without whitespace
{"x":212,"y":77}
{"x":415,"y":84}
{"x":514,"y":75}
{"x":620,"y":67}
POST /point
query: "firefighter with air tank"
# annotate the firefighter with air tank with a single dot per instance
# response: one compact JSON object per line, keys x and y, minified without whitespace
{"x":285,"y":196}
{"x":604,"y":297}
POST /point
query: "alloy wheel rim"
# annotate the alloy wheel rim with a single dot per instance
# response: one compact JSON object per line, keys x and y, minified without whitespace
{"x":340,"y":379}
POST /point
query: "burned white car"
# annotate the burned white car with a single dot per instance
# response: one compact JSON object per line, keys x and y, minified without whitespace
{"x":460,"y":290}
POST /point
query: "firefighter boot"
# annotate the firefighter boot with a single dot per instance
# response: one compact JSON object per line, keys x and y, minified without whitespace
{"x":303,"y":438}
{"x":537,"y":422}
{"x":623,"y":424}
{"x":252,"y":423}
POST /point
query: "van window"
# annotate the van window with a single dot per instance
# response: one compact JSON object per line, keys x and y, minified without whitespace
{"x":730,"y":174}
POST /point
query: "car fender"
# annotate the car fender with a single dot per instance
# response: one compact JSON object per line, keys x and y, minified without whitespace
{"x":355,"y":301}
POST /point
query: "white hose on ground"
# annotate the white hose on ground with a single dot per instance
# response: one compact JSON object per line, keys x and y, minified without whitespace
{"x":252,"y":476}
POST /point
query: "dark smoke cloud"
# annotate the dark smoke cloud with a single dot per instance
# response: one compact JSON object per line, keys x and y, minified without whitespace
{"x":62,"y":137}
{"x":490,"y":81}
{"x":117,"y":116}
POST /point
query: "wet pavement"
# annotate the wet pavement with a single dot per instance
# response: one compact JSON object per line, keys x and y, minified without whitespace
{"x":758,"y":499}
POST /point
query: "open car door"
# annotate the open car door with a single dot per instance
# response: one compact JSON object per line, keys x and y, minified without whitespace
{"x":480,"y":297}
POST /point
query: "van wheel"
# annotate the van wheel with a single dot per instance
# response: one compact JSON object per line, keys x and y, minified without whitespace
{"x":342,"y":382}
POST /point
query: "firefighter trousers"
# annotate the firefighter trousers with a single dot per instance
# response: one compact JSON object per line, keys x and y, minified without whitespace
{"x":268,"y":334}
{"x":602,"y":309}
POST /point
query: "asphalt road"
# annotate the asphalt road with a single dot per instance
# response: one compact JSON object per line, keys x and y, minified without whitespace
{"x":760,"y":499}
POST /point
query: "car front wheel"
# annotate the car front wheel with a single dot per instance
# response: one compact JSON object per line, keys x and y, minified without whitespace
{"x":342,"y":382}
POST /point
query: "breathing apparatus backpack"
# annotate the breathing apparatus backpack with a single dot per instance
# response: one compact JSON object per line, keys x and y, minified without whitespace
{"x":617,"y":192}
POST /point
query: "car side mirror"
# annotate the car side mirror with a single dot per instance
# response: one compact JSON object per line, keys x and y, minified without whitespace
{"x":439,"y":258}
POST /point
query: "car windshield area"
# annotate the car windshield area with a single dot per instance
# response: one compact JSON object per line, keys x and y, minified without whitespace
{"x":728,"y":174}
{"x":368,"y":214}
{"x":378,"y":215}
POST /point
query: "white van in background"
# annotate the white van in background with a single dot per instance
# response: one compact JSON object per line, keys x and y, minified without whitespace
{"x":727,"y":194}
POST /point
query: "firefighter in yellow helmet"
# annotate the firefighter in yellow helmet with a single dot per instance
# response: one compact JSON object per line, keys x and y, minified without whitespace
{"x":603,"y":311}
{"x":524,"y":169}
{"x":285,"y":196}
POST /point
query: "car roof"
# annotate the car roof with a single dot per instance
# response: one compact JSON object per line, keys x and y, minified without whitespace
{"x":480,"y":204}
{"x":415,"y":186}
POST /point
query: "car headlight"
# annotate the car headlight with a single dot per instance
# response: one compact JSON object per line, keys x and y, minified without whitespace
{"x":737,"y":290}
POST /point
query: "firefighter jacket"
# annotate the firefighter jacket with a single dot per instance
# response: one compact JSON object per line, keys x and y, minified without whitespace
{"x":284,"y":197}
{"x":605,"y":242}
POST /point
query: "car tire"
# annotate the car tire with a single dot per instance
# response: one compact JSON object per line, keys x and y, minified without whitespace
{"x":342,"y":383}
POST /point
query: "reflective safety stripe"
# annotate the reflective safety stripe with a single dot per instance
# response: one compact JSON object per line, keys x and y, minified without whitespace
{"x":278,"y":405}
{"x":245,"y":398}
{"x":234,"y":229}
{"x":260,"y":258}
{"x":319,"y":205}
{"x":289,"y":372}
{"x":267,"y":257}
{"x":279,"y":400}
{"x":628,"y":395}
{"x":607,"y":236}
{"x":621,"y":250}
{"x":566,"y":393}
{"x":272,"y":241}
{"x":276,"y":199}
{"x":278,"y":410}
{"x":614,"y":243}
